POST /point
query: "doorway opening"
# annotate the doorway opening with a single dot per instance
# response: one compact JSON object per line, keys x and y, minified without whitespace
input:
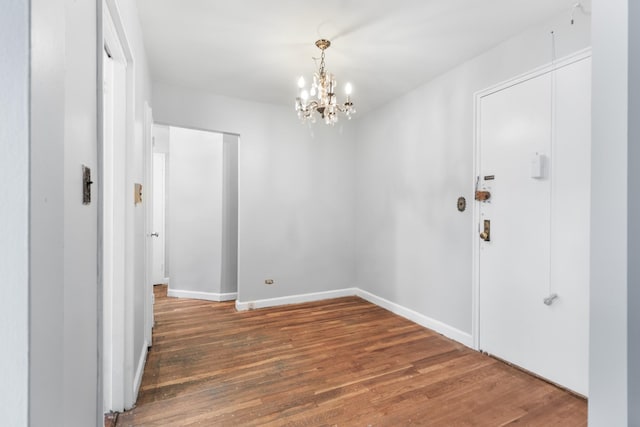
{"x":196,"y":209}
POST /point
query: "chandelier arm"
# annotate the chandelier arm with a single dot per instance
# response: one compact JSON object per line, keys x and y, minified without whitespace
{"x":313,"y":105}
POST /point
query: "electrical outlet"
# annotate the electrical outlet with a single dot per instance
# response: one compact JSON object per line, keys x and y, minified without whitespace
{"x":268,"y":281}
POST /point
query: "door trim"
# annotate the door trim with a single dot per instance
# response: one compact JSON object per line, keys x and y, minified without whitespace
{"x":148,"y":224}
{"x":475,"y":239}
{"x":115,"y":381}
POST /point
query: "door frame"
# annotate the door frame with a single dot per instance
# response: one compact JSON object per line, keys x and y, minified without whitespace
{"x":114,"y":382}
{"x":147,"y":203}
{"x":475,"y":239}
{"x":227,"y":296}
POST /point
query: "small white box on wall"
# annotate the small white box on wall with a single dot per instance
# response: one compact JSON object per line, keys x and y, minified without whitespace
{"x":537,"y":166}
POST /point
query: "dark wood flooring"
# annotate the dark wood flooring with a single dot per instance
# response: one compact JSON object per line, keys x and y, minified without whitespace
{"x":342,"y":362}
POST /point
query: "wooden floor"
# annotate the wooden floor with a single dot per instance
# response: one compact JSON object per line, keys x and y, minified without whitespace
{"x":340,"y":362}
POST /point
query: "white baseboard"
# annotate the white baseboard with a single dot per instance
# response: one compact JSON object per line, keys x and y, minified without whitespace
{"x":208,"y":296}
{"x":295,"y":299}
{"x":436,"y":325}
{"x":137,"y":380}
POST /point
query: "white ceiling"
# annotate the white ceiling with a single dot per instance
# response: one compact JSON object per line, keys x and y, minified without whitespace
{"x":256,"y":49}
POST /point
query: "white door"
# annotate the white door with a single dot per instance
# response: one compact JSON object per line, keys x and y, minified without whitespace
{"x":534,"y":160}
{"x":148,"y":223}
{"x":158,"y":263}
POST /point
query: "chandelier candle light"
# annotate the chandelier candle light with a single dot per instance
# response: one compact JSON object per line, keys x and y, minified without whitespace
{"x":321,"y":96}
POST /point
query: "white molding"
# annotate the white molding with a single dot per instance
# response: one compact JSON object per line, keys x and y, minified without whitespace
{"x":544,"y":69}
{"x":148,"y":221}
{"x":116,"y":377}
{"x":295,"y":299}
{"x":137,"y":380}
{"x":475,"y":262}
{"x":426,"y":321}
{"x":435,"y":325}
{"x":207,"y":296}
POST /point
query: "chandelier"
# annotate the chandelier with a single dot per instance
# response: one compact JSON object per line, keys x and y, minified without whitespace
{"x":321,"y":96}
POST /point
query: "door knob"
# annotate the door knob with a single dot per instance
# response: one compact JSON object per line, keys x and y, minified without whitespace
{"x":155,"y":234}
{"x":486,"y":233}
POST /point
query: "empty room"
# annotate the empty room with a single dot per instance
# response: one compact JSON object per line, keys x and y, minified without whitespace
{"x":338,"y":213}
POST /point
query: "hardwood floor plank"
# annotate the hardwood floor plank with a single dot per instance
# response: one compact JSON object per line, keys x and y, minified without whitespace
{"x":342,"y":362}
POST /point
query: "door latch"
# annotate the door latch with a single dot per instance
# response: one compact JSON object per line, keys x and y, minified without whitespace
{"x":486,"y":233}
{"x":483,"y":196}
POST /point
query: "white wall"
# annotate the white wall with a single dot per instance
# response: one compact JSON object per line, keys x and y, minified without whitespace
{"x":194,"y":212}
{"x":63,"y":353}
{"x":47,"y":210}
{"x":14,"y":214}
{"x":229,"y":282}
{"x":414,"y":159}
{"x":296,"y":191}
{"x":633,"y":195}
{"x":80,"y":232}
{"x":612,"y":191}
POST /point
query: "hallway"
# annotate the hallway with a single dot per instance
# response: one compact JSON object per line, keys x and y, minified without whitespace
{"x":335,"y":362}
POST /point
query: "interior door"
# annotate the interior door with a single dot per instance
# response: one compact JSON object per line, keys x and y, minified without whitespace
{"x":534,"y":169}
{"x":148,"y":224}
{"x":158,"y":263}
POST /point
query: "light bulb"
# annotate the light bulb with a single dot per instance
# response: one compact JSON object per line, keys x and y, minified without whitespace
{"x":304,"y":95}
{"x":313,"y":91}
{"x":348,"y":88}
{"x":301,"y":82}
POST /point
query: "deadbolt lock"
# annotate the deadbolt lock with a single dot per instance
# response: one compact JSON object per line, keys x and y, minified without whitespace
{"x":486,"y":233}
